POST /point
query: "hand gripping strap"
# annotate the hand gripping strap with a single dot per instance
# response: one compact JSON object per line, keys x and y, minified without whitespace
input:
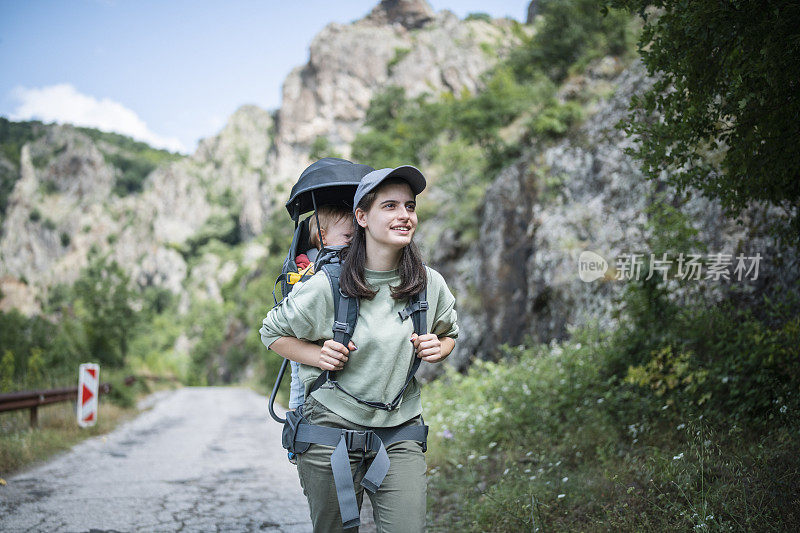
{"x":345,"y":312}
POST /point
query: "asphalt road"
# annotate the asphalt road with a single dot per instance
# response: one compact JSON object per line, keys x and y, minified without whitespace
{"x":201,"y":459}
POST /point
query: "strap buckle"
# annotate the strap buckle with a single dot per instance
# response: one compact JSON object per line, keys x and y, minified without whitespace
{"x":357,"y":440}
{"x":421,"y":305}
{"x":340,"y":327}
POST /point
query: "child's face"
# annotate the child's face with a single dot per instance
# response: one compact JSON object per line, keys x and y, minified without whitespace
{"x":338,"y":233}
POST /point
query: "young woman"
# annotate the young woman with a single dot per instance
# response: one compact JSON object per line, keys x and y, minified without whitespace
{"x":383,"y":269}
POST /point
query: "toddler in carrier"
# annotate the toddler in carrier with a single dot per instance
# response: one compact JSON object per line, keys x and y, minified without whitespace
{"x":336,"y":228}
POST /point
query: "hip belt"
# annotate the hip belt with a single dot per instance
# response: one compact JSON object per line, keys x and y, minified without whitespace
{"x":343,"y":441}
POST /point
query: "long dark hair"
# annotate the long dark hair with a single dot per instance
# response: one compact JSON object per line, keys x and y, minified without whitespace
{"x":352,"y":282}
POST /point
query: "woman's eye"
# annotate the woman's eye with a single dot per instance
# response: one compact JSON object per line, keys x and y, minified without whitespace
{"x":411,"y":207}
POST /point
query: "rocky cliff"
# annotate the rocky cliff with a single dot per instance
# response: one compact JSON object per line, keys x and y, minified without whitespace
{"x":520,"y":281}
{"x":61,"y":210}
{"x":401,"y":43}
{"x":517,"y":281}
{"x":66,"y":206}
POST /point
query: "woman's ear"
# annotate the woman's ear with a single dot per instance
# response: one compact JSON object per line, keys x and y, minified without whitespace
{"x":361,"y":217}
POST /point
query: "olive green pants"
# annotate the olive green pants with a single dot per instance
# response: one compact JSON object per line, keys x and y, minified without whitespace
{"x":398,"y":504}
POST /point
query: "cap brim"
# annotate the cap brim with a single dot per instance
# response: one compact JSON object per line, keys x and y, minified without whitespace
{"x":411,"y":174}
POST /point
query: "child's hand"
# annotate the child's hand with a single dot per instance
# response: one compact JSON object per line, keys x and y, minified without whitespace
{"x":428,"y":347}
{"x":333,"y":355}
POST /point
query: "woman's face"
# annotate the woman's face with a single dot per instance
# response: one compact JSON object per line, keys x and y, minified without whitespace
{"x":392,"y":219}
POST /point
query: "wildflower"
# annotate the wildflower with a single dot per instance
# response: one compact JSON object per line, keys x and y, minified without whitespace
{"x":532,"y":478}
{"x":471,"y":456}
{"x":483,"y":457}
{"x":600,"y":400}
{"x":783,"y":409}
{"x":446,"y":434}
{"x":459,"y":465}
{"x":492,"y":444}
{"x":564,"y":480}
{"x":527,"y":470}
{"x":677,"y":457}
{"x":681,"y":426}
{"x":561,"y":496}
{"x":506,"y":471}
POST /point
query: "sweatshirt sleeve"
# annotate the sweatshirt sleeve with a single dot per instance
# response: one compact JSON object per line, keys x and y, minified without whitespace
{"x":445,"y":318}
{"x":307,"y":313}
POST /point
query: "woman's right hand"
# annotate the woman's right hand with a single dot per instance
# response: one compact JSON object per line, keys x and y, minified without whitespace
{"x":333,"y":355}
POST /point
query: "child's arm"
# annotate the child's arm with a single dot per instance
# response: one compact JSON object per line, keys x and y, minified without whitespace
{"x":331,"y":356}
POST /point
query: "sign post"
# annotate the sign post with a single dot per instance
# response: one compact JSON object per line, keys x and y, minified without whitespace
{"x":88,"y":385}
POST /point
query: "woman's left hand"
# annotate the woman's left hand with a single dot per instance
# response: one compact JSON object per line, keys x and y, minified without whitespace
{"x":428,"y":347}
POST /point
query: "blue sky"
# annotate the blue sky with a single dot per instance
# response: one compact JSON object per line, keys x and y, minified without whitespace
{"x":171,"y":71}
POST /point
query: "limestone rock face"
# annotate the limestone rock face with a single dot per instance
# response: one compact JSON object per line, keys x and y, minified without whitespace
{"x":519,"y":282}
{"x":60,"y":211}
{"x":402,"y":43}
{"x":410,"y":14}
{"x":65,"y":207}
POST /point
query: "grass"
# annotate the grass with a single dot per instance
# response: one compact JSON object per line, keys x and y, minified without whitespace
{"x":21,"y":446}
{"x":543,"y":442}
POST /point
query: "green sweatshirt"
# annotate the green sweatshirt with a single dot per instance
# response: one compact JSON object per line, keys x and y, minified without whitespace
{"x":377,"y":370}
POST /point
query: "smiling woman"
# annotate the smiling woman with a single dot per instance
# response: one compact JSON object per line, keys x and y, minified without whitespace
{"x":363,"y":388}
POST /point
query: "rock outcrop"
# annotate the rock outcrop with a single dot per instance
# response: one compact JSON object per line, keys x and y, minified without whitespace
{"x":60,"y":211}
{"x":400,"y":43}
{"x":519,"y":282}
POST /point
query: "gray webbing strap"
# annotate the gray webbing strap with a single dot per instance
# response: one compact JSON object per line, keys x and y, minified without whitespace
{"x":343,"y":480}
{"x":344,"y":440}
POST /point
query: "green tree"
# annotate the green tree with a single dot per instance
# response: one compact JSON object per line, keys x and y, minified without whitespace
{"x":570,"y":32}
{"x":722,"y":116}
{"x":7,"y":371}
{"x":105,"y":311}
{"x":35,"y":367}
{"x":321,"y":147}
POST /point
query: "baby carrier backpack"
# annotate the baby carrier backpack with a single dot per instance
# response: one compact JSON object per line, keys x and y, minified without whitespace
{"x":334,"y":181}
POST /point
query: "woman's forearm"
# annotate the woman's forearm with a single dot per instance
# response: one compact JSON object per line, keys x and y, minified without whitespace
{"x":294,"y":349}
{"x":448,"y":343}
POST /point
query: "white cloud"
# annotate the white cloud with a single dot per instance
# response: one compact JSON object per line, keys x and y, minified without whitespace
{"x":63,"y":103}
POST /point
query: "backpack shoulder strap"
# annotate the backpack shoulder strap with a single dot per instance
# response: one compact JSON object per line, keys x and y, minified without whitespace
{"x":345,"y":316}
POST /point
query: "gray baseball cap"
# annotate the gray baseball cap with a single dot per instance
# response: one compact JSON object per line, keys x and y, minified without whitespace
{"x":410,"y":174}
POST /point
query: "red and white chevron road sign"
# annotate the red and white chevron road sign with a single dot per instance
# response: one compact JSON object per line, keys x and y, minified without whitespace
{"x":88,"y":385}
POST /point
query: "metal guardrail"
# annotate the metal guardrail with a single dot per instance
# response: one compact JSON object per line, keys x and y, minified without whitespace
{"x":33,"y":399}
{"x":130,"y":380}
